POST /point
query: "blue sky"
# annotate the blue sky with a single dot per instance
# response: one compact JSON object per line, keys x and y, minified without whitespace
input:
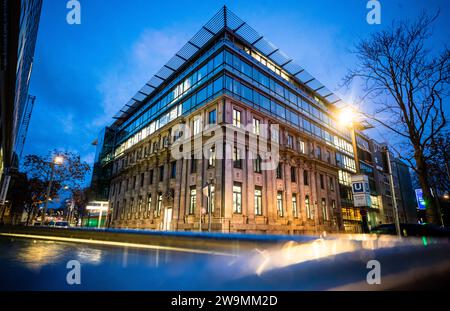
{"x":83,"y":74}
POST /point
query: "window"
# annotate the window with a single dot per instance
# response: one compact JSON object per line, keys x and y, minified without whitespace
{"x":140,"y":204}
{"x":192,"y":200}
{"x":142,"y":180}
{"x":237,"y":198}
{"x":158,"y":206}
{"x":149,"y":203}
{"x":280,"y":203}
{"x":256,"y":126}
{"x":173,"y":169}
{"x":274,"y":134}
{"x":328,"y":156}
{"x":131,"y":208}
{"x":331,"y":184}
{"x":117,"y":211}
{"x":279,"y":171}
{"x":161,"y":173}
{"x":258,"y":201}
{"x":212,"y":157}
{"x":150,"y":177}
{"x":236,"y":118}
{"x":197,"y":125}
{"x":124,"y":207}
{"x":212,"y":117}
{"x":165,"y":141}
{"x":290,"y":142}
{"x":333,"y":204}
{"x":212,"y":198}
{"x":293,"y":174}
{"x":193,"y":164}
{"x":309,"y":214}
{"x":294,"y":205}
{"x":305,"y":178}
{"x":301,"y":146}
{"x":257,"y":164}
{"x":155,"y":146}
{"x":319,"y":153}
{"x":134,"y":182}
{"x":324,"y":209}
{"x":322,"y":184}
{"x":237,"y":159}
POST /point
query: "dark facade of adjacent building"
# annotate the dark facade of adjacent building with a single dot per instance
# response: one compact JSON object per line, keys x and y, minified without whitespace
{"x":19,"y":22}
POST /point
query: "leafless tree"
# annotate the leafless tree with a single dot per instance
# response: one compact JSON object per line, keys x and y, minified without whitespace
{"x":407,"y":81}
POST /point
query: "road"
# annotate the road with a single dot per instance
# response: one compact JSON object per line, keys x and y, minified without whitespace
{"x":337,"y":263}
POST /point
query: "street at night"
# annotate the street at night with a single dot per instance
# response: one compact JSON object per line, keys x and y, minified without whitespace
{"x":335,"y":263}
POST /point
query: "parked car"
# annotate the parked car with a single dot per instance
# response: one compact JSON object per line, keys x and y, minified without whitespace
{"x":59,"y":224}
{"x":62,"y":224}
{"x":413,"y":230}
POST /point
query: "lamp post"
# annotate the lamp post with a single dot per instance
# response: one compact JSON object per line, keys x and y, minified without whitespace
{"x":56,"y":161}
{"x":394,"y":201}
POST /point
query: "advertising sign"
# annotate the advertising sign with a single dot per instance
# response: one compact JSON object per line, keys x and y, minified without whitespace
{"x":419,"y":199}
{"x":360,"y":190}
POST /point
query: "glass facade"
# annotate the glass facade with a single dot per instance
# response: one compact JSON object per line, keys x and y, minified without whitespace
{"x":224,"y":70}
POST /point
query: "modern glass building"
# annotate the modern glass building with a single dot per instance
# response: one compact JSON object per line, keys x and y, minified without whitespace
{"x":20,"y":21}
{"x":151,"y":162}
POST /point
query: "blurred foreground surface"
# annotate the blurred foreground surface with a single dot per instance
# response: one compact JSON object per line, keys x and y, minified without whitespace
{"x":303,"y":263}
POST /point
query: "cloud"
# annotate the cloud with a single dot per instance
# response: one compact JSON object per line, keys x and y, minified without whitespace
{"x":147,"y":55}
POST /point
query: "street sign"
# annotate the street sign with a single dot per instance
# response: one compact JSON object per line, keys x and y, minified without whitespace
{"x":419,"y":198}
{"x":360,"y":190}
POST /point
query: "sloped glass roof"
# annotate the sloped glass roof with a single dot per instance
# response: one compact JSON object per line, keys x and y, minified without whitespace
{"x":224,"y":19}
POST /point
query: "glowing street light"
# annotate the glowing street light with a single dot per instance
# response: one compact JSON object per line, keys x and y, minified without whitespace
{"x":58,"y":160}
{"x":347,"y":116}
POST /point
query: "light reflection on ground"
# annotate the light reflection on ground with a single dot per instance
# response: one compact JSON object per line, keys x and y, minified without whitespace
{"x":337,"y":262}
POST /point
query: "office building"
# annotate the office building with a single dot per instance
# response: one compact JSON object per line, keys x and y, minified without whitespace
{"x":230,"y":135}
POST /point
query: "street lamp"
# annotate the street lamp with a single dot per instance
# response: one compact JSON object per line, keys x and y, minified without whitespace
{"x":347,"y":116}
{"x":57,"y":160}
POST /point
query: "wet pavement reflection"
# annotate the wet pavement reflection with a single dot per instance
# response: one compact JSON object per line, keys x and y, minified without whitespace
{"x":33,"y":264}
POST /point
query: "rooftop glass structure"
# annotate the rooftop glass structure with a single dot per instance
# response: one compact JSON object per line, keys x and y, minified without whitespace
{"x":227,"y":56}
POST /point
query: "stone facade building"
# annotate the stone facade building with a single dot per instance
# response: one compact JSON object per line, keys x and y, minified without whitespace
{"x":209,"y":122}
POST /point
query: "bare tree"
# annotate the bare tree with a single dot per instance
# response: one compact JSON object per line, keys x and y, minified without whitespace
{"x":438,"y":153}
{"x":407,"y":83}
{"x":70,"y":174}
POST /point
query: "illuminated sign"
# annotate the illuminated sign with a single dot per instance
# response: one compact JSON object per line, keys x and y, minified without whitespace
{"x":419,"y":199}
{"x":361,"y":190}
